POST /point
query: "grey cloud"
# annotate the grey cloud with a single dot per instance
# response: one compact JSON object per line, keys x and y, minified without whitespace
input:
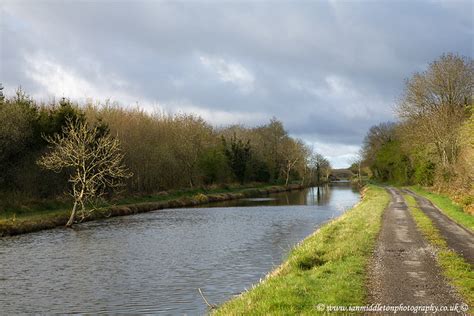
{"x":153,"y":50}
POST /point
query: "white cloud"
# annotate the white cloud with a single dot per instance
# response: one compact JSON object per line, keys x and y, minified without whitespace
{"x":56,"y":80}
{"x":229,"y":71}
{"x":340,"y":155}
{"x":215,"y":117}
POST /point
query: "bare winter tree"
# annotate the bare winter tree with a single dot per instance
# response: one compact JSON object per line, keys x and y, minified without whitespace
{"x":293,"y":153}
{"x":94,"y":158}
{"x":435,"y":104}
{"x":321,"y":167}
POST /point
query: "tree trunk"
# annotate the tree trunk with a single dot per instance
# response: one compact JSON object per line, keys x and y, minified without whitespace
{"x":83,"y":211}
{"x":73,"y":215}
{"x":360,"y":177}
{"x":318,"y":175}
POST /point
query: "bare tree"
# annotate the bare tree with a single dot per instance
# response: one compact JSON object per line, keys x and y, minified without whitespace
{"x":356,"y":165}
{"x":2,"y":97}
{"x":294,"y":152}
{"x":94,"y":158}
{"x":435,"y":104}
{"x":321,"y":167}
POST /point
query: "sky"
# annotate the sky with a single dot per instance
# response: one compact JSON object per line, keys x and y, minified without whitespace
{"x":327,"y":69}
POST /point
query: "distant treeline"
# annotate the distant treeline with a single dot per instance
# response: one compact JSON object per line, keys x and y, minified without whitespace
{"x":163,"y":152}
{"x":432,"y":144}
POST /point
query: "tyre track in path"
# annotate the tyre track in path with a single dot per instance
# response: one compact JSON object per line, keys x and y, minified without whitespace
{"x":403,"y":269}
{"x":458,"y":238}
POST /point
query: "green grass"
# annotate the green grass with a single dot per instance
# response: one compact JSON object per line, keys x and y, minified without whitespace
{"x":448,"y":207}
{"x":29,"y":219}
{"x":329,"y":267}
{"x":51,"y":207}
{"x":454,"y":267}
{"x":186,"y":193}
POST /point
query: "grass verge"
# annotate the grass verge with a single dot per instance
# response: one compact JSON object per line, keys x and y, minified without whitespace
{"x":35,"y":220}
{"x":329,"y":267}
{"x":447,"y":206}
{"x":454,"y":267}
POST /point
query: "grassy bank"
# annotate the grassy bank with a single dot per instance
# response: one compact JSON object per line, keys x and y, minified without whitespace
{"x":455,"y":268}
{"x":447,"y":206}
{"x":30,"y":220}
{"x":328,"y":267}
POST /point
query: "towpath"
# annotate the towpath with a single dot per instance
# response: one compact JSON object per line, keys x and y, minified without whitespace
{"x":404,"y":268}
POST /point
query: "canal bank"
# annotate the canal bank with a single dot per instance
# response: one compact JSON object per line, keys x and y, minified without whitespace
{"x":327,"y":268}
{"x":154,"y":262}
{"x":37,"y":221}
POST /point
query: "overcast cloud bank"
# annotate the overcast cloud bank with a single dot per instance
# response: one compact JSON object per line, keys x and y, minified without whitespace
{"x":328,"y":70}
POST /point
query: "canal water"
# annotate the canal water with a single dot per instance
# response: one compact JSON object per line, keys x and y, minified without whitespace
{"x":155,"y":262}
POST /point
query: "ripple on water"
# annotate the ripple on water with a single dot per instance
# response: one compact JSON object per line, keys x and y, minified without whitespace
{"x":155,"y":262}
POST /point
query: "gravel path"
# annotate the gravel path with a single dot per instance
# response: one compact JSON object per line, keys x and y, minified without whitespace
{"x":457,"y":237}
{"x":404,"y":269}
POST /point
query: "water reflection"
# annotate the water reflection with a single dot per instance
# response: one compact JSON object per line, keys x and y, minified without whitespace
{"x":154,"y":262}
{"x":319,"y":196}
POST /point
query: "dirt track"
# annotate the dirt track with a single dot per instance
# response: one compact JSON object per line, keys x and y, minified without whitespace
{"x":404,"y":269}
{"x":458,"y":238}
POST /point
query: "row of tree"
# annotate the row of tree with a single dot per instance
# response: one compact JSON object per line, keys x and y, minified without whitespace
{"x":432,"y":143}
{"x":161,"y":152}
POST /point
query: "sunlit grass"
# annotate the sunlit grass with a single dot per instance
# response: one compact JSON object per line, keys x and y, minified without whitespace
{"x":329,"y":267}
{"x":454,"y":267}
{"x":447,"y":206}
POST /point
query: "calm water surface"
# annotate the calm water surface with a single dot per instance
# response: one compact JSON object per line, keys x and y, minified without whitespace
{"x":154,"y":262}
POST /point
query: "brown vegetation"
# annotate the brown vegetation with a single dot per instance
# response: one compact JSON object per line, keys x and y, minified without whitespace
{"x":162,"y":152}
